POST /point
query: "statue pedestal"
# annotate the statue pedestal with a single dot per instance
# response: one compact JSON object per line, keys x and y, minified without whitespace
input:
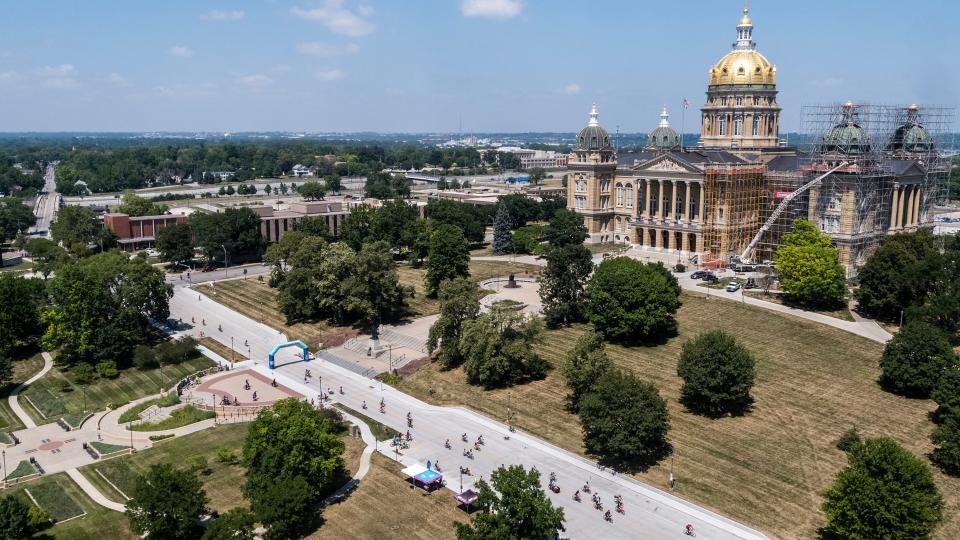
{"x":373,"y":347}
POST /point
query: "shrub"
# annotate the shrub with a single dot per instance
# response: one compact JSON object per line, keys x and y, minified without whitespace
{"x":227,"y":455}
{"x":849,"y":440}
{"x":62,"y":385}
{"x":144,"y":358}
{"x":198,"y":464}
{"x":679,"y":268}
{"x":947,"y":438}
{"x":156,"y":438}
{"x":107,"y":369}
{"x":717,"y":374}
{"x":83,"y":373}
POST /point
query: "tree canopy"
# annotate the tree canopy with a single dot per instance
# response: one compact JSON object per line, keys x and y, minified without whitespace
{"x":883,"y":492}
{"x":891,"y":280}
{"x":563,"y":282}
{"x":584,"y":366}
{"x":448,"y":257}
{"x":135,"y":205}
{"x":513,"y":507}
{"x":22,"y":300}
{"x":810,"y":270}
{"x":497,"y":348}
{"x":457,"y":213}
{"x":915,"y":358}
{"x":459,"y":302}
{"x":15,"y":218}
{"x":167,"y":503}
{"x":312,"y":191}
{"x":77,"y":226}
{"x":14,"y":519}
{"x":234,"y":524}
{"x":624,"y":420}
{"x":175,"y":243}
{"x":631,"y":301}
{"x":502,"y":239}
{"x":519,"y":208}
{"x":236,"y":230}
{"x":566,"y":228}
{"x":717,"y":374}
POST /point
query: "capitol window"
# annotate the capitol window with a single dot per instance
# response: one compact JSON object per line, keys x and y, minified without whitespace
{"x":581,"y":185}
{"x":739,"y":101}
{"x":629,"y":196}
{"x":723,"y":125}
{"x":756,"y":125}
{"x":738,"y":127}
{"x":619,"y":195}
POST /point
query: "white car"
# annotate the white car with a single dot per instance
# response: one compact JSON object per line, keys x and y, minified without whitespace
{"x":733,"y":287}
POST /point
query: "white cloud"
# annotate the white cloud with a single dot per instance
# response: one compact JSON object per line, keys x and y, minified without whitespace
{"x":60,"y":83}
{"x":329,"y":74}
{"x":222,"y":15}
{"x":63,"y":70}
{"x":317,"y":48}
{"x":181,"y":51}
{"x":571,"y":89}
{"x":255,"y":81}
{"x":117,"y":79}
{"x":9,"y":76}
{"x":339,"y":19}
{"x":491,"y":9}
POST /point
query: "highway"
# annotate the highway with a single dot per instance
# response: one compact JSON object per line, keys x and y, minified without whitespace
{"x":46,"y":204}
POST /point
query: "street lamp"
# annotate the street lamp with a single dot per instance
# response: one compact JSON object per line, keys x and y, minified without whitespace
{"x":226,"y":263}
{"x":5,"y":475}
{"x":232,"y":351}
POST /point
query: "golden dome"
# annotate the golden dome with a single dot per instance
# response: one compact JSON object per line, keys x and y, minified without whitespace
{"x":743,"y":66}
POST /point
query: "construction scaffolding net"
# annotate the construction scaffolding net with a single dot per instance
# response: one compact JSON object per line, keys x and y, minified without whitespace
{"x":734,"y":196}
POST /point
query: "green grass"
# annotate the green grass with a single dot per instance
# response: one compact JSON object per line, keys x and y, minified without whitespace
{"x":767,"y":468}
{"x":380,"y":431}
{"x":22,"y":370}
{"x":178,"y":418}
{"x":53,"y":498}
{"x":76,"y":420}
{"x":5,"y":438}
{"x":133,"y":413}
{"x":130,"y":385}
{"x":18,"y":268}
{"x":107,"y":448}
{"x":22,"y":469}
{"x":99,"y":523}
{"x":222,"y":484}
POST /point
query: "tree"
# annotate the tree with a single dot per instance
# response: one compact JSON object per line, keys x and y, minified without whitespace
{"x":134,"y":205}
{"x":946,"y":393}
{"x":14,"y":519}
{"x":283,"y":188}
{"x":566,"y":228}
{"x":290,"y":450}
{"x":372,"y":291}
{"x":883,"y":492}
{"x":234,"y":524}
{"x":515,"y":506}
{"x":235,"y":230}
{"x":891,"y":280}
{"x":46,"y":254}
{"x":231,"y":190}
{"x":946,"y":437}
{"x":526,"y":239}
{"x":914,"y":359}
{"x":102,"y":307}
{"x":536,"y":175}
{"x":22,"y":300}
{"x":448,"y":257}
{"x":551,"y":204}
{"x":166,"y":503}
{"x":175,"y":243}
{"x":312,"y":191}
{"x":286,"y":507}
{"x":395,"y":223}
{"x":15,"y":218}
{"x":497,"y":348}
{"x":457,"y":213}
{"x":717,"y":374}
{"x":624,"y":420}
{"x":810,"y":270}
{"x":562,"y":284}
{"x":459,"y":302}
{"x":332,"y":183}
{"x":502,"y":240}
{"x":355,"y":229}
{"x":519,"y":208}
{"x":75,"y":227}
{"x":585,"y":364}
{"x":628,"y":300}
{"x":313,"y":226}
{"x":267,"y":189}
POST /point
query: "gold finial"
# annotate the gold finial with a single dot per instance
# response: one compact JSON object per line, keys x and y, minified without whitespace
{"x":746,"y":13}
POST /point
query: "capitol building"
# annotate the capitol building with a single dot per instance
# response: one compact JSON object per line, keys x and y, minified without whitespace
{"x":734,"y":194}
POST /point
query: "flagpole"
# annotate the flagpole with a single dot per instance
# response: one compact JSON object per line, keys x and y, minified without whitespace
{"x":683,"y":114}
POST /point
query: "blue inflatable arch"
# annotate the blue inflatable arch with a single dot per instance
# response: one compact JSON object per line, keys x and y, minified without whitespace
{"x":296,"y":343}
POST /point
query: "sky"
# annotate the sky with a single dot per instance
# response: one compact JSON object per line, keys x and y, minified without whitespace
{"x":446,"y":65}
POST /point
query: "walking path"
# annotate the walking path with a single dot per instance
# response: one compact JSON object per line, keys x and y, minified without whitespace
{"x":93,"y":492}
{"x":14,"y":395}
{"x":367,"y":436}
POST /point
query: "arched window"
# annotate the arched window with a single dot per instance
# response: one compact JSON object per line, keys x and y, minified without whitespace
{"x":738,"y":127}
{"x":723,"y":125}
{"x":629,"y":195}
{"x":619,"y":195}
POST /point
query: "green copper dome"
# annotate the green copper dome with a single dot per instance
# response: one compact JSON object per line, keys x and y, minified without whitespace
{"x":912,"y":136}
{"x":593,"y":137}
{"x":847,"y":137}
{"x":663,"y":137}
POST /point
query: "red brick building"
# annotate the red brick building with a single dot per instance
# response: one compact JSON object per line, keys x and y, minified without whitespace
{"x":139,"y":232}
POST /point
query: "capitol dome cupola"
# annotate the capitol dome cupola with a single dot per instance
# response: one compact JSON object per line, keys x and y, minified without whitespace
{"x":593,"y":137}
{"x":663,"y":137}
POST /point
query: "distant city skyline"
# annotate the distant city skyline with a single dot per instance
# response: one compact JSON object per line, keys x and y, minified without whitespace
{"x":439,"y":65}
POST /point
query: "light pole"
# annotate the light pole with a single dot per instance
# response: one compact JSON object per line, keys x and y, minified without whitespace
{"x":226,"y":262}
{"x":130,"y":429}
{"x":232,"y":351}
{"x":5,"y":475}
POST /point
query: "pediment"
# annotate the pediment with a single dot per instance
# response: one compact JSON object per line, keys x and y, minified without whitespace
{"x":665,"y":163}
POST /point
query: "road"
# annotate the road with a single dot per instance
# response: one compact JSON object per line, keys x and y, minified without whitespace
{"x":650,"y":513}
{"x":46,"y":204}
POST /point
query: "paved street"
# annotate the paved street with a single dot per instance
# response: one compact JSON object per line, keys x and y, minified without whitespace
{"x":46,"y":204}
{"x":650,"y":513}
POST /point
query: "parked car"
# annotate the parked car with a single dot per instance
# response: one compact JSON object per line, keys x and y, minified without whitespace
{"x":710,"y":278}
{"x":733,"y":287}
{"x":698,"y":274}
{"x":751,"y":284}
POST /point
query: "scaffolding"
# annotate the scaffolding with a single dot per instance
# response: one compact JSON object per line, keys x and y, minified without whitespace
{"x":885,"y":148}
{"x":734,"y":195}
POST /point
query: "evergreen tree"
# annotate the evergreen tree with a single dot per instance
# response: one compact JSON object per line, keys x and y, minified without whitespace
{"x":502,"y":239}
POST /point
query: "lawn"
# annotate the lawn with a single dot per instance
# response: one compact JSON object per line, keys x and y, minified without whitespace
{"x":421,"y":306}
{"x":22,"y":370}
{"x":133,"y":413}
{"x":409,"y":513}
{"x":24,"y":468}
{"x":380,"y":431}
{"x":841,"y":313}
{"x":130,"y":385}
{"x":767,"y":468}
{"x":60,"y":496}
{"x":228,"y":354}
{"x":53,"y":497}
{"x":222,"y":484}
{"x":178,"y":418}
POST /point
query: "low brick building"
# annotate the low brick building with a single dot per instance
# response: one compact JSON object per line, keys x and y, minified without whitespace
{"x":139,"y":232}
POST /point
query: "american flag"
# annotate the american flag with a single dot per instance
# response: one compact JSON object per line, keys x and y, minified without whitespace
{"x":686,"y":104}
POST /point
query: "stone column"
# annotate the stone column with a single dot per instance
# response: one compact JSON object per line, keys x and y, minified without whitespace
{"x":687,"y":218}
{"x":671,"y":240}
{"x":917,"y":217}
{"x":910,"y":205}
{"x":667,"y":211}
{"x":899,"y":209}
{"x":647,"y":188}
{"x":702,"y":217}
{"x":683,"y":242}
{"x":893,"y":208}
{"x":674,"y":197}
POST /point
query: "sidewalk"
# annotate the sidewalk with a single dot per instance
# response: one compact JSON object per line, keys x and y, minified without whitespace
{"x":14,"y":395}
